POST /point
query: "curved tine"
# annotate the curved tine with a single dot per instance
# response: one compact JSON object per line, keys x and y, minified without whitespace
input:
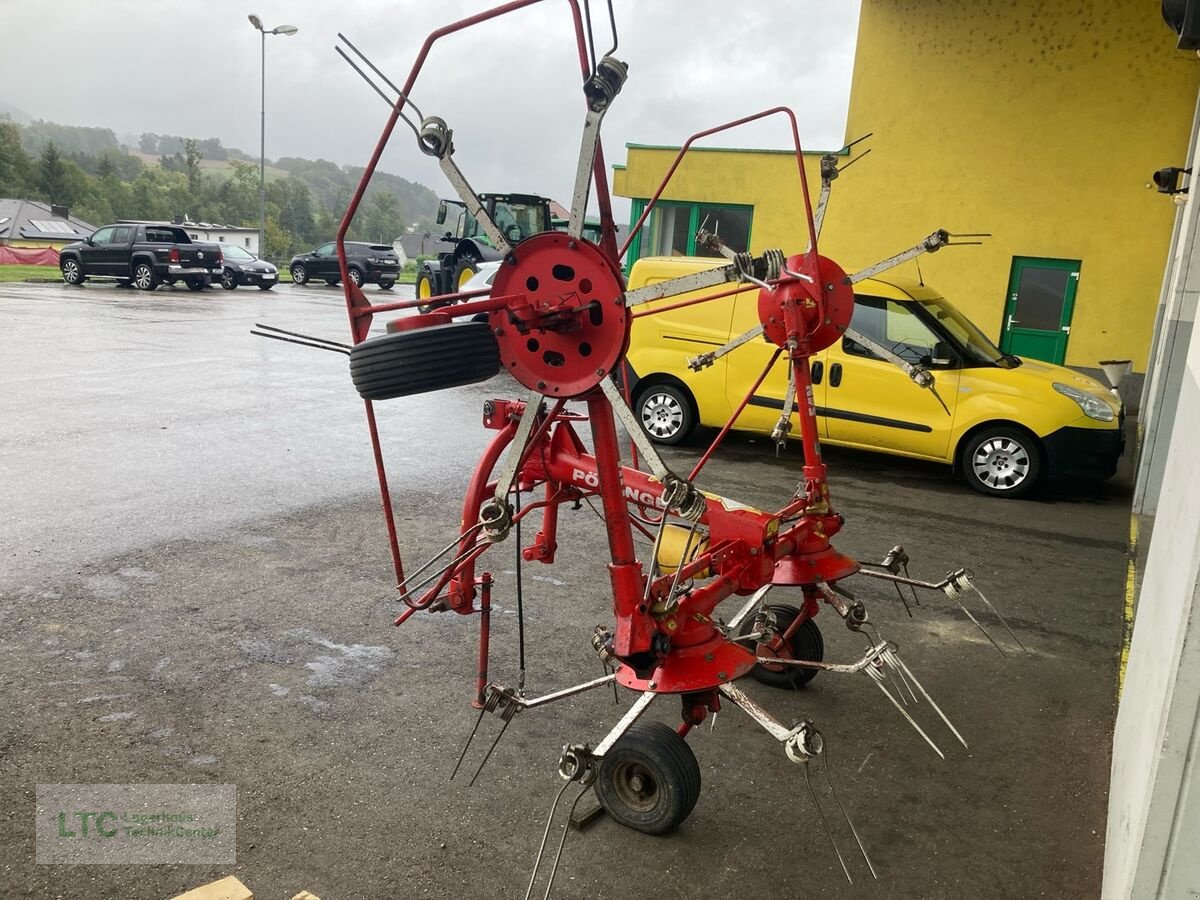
{"x":687,"y":547}
{"x":467,"y":745}
{"x":825,"y":822}
{"x":894,"y":657}
{"x":963,"y":607}
{"x":877,"y":679}
{"x":996,"y":613}
{"x":537,"y":863}
{"x":838,"y":800}
{"x":562,"y":843}
{"x":662,"y":527}
{"x":458,"y":540}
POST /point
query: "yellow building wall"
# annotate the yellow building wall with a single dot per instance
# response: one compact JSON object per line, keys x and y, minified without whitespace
{"x":1039,"y":123}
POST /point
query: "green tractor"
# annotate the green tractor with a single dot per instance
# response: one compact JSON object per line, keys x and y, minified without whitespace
{"x":518,"y":216}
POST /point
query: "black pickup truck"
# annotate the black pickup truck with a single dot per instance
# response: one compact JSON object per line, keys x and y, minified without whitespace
{"x":142,"y":255}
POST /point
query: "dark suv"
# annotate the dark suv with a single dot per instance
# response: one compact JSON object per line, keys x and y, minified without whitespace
{"x":367,"y":264}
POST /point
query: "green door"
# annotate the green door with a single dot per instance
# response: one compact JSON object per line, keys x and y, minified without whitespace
{"x":1037,"y":317}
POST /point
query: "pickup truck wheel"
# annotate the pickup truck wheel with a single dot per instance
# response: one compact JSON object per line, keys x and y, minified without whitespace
{"x":404,"y":363}
{"x":299,"y":275}
{"x":144,"y":278}
{"x":666,"y":413}
{"x":228,"y":280}
{"x":356,"y":276}
{"x":197,"y":284}
{"x":1002,"y":462}
{"x":71,"y":273}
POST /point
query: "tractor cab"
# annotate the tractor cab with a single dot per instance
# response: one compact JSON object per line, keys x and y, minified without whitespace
{"x":518,"y":216}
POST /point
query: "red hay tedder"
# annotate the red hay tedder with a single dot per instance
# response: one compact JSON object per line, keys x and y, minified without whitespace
{"x":557,"y":319}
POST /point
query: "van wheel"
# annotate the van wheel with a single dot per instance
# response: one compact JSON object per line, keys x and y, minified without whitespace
{"x":1002,"y":462}
{"x":666,"y":413}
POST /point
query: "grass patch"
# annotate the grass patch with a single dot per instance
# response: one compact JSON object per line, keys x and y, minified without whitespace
{"x":29,"y":273}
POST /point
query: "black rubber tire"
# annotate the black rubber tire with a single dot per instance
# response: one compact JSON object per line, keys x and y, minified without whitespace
{"x":299,"y":274}
{"x":228,"y":280}
{"x":649,"y":781}
{"x":1002,"y":462}
{"x":144,"y":278}
{"x":386,"y":285}
{"x":466,"y":264}
{"x":355,"y":275}
{"x":169,"y":282}
{"x":333,"y":282}
{"x":667,"y":413}
{"x":805,"y":643}
{"x":423,"y":279}
{"x":196,"y":284}
{"x":265,"y":287}
{"x":71,"y":270}
{"x":423,"y":360}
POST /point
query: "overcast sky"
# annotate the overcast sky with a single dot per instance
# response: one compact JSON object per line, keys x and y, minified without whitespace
{"x":508,"y":88}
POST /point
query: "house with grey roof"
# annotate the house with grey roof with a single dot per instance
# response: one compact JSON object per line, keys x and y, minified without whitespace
{"x":31,"y":224}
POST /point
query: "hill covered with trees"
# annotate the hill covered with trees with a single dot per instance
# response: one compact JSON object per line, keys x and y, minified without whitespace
{"x":102,"y":179}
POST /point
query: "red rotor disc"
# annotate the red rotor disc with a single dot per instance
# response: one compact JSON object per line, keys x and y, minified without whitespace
{"x":803,"y":299}
{"x":566,"y":327}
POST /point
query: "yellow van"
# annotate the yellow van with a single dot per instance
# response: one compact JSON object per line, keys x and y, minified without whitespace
{"x":1011,"y":421}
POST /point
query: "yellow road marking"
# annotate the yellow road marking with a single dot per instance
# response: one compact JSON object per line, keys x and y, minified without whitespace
{"x":1127,"y":617}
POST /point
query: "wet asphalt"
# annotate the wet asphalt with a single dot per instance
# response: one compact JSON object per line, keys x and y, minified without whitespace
{"x":194,"y":587}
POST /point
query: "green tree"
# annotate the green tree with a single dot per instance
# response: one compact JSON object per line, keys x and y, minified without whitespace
{"x":59,"y":180}
{"x":15,"y":164}
{"x":191,"y":159}
{"x":278,"y":240}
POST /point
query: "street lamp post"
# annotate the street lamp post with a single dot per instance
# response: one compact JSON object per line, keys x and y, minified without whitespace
{"x":262,"y":135}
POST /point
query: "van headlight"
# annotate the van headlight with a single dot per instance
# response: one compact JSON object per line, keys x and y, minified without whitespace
{"x":1093,"y":407}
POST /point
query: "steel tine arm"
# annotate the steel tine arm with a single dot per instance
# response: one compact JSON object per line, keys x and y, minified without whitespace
{"x":678,"y":494}
{"x":920,"y":376}
{"x":696,"y":363}
{"x":469,"y":198}
{"x":603,"y":86}
{"x":931,"y":244}
{"x":780,"y":432}
{"x":672,"y":287}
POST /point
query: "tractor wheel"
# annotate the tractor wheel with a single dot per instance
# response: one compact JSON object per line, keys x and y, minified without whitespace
{"x":425,"y":359}
{"x":425,"y":291}
{"x":649,"y":781}
{"x":464,"y":272}
{"x":805,"y":643}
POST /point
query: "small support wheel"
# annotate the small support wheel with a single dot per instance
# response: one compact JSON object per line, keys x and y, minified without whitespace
{"x":649,"y":781}
{"x":404,"y":363}
{"x":805,"y":643}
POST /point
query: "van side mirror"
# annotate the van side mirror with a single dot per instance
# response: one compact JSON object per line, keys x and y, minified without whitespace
{"x":941,"y":357}
{"x":441,"y":214}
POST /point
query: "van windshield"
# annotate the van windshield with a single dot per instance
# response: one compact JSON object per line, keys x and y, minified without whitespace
{"x":979,"y":350}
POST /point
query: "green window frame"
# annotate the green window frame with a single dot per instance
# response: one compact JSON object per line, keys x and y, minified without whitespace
{"x":639,"y":204}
